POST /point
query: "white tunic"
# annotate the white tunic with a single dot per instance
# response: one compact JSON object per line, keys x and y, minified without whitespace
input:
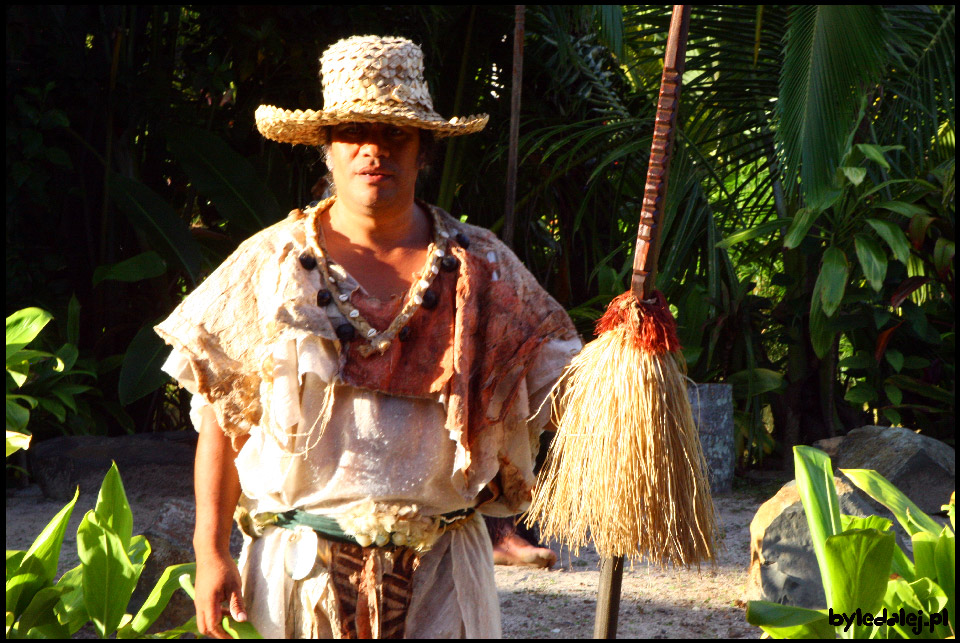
{"x":350,"y":446}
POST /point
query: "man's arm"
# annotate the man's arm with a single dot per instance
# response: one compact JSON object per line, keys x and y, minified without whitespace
{"x":217,"y":488}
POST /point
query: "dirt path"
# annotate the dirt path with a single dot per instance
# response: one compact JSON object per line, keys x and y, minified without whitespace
{"x":535,"y":603}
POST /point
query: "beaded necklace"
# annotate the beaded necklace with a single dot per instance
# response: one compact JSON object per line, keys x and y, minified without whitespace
{"x":418,"y":296}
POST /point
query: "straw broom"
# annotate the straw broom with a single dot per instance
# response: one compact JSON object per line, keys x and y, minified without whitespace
{"x":626,"y":466}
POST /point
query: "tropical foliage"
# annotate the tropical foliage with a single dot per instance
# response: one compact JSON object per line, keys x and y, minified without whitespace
{"x":863,"y":568}
{"x":808,"y":242}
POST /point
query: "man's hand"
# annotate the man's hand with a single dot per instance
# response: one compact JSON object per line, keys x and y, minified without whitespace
{"x":218,"y":582}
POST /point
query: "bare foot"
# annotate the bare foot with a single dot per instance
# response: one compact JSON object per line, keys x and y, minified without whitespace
{"x":514,"y":550}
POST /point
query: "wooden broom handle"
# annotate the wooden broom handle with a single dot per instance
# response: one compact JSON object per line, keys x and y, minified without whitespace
{"x":655,"y":191}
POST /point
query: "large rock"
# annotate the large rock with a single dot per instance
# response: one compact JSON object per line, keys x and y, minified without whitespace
{"x":712,"y":406}
{"x":783,"y":567}
{"x":61,"y":464}
{"x":921,"y":467}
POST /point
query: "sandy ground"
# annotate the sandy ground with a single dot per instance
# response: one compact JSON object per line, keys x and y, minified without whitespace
{"x":535,"y":603}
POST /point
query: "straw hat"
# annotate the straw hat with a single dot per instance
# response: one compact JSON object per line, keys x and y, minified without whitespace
{"x":369,"y":79}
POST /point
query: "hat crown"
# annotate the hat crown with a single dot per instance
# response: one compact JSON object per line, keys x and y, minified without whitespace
{"x":365,"y":69}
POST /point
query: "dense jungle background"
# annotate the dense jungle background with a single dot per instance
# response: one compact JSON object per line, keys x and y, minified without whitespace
{"x":808,"y":243}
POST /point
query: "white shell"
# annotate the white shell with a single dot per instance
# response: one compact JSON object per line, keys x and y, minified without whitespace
{"x":417,"y":299}
{"x":444,"y":234}
{"x":343,"y":297}
{"x":424,"y":283}
{"x":371,"y":332}
{"x":354,"y":313}
{"x":434,"y":270}
{"x":440,"y":251}
{"x":301,"y":553}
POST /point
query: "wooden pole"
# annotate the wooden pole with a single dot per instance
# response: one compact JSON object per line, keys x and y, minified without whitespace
{"x":645,"y":258}
{"x":508,"y":210}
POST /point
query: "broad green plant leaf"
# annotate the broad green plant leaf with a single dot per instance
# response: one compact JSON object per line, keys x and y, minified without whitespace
{"x":946,"y":562}
{"x":789,"y":622}
{"x":168,"y":583}
{"x":822,"y":332}
{"x":22,"y":328}
{"x":112,"y":508}
{"x":225,"y":177}
{"x":924,"y":555}
{"x":910,"y":517}
{"x":855,"y":175}
{"x":895,"y":238}
{"x":39,"y":565}
{"x":140,"y":374}
{"x":109,"y":577}
{"x":873,"y":260}
{"x":859,"y":562}
{"x":874,"y":153}
{"x":943,"y":252}
{"x":71,"y":611}
{"x":920,"y":595}
{"x":765,"y":229}
{"x":901,"y":207}
{"x":756,"y":381}
{"x":154,"y":217}
{"x":14,"y":556}
{"x":145,"y":265}
{"x":832,"y":280}
{"x":17,"y":441}
{"x":818,"y":494}
{"x":802,"y":223}
{"x":40,"y":612}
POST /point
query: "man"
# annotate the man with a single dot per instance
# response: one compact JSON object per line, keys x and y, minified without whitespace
{"x":364,"y":373}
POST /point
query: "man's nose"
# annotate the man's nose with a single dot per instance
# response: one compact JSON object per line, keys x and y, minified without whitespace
{"x":374,"y":145}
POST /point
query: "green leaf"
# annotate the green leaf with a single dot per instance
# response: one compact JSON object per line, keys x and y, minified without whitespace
{"x":71,"y":610}
{"x":946,"y":563}
{"x":140,"y":374}
{"x":40,"y":612}
{"x":157,"y":601}
{"x":225,"y":177}
{"x":860,"y":360}
{"x":39,"y":565}
{"x":861,"y":394}
{"x":914,"y":385}
{"x":109,"y":577}
{"x":146,"y":265}
{"x":859,"y":562}
{"x":924,"y":555}
{"x":910,"y":517}
{"x":822,"y":332}
{"x":874,"y":153}
{"x":17,"y":441}
{"x":921,"y":594}
{"x":112,"y":508}
{"x":894,"y":237}
{"x":787,"y":621}
{"x":154,"y":217}
{"x":14,"y":556}
{"x":943,"y":252}
{"x":895,"y":358}
{"x":17,"y":416}
{"x":873,"y":261}
{"x":894,"y":394}
{"x":23,"y":326}
{"x":802,"y":223}
{"x":901,"y":207}
{"x":765,"y":229}
{"x":755,"y":381}
{"x":818,"y":494}
{"x":832,"y":280}
{"x":855,"y":175}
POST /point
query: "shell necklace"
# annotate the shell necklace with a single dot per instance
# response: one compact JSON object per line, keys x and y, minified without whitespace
{"x":418,"y":295}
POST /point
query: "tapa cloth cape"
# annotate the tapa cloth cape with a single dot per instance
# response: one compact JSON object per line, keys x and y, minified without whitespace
{"x":473,"y":349}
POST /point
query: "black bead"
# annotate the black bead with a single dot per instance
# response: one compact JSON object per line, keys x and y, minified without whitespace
{"x":324,"y":297}
{"x":430,"y":300}
{"x":463,"y":240}
{"x":449,"y":263}
{"x":308,"y":261}
{"x":346,"y":332}
{"x":404,"y":334}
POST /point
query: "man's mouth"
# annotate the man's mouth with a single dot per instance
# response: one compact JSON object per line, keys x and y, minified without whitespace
{"x":375,"y":175}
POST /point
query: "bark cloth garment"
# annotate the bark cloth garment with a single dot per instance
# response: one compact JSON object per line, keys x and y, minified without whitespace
{"x":420,"y":430}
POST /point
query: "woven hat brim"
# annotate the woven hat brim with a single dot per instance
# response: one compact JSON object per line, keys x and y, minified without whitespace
{"x":304,"y":127}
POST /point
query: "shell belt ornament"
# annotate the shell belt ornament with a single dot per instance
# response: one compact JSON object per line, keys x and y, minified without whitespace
{"x":375,"y":341}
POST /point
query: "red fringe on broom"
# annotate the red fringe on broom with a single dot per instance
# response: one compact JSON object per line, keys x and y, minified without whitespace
{"x":649,"y":324}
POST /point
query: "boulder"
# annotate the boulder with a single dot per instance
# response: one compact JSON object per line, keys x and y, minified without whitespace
{"x":712,"y":406}
{"x":921,"y":467}
{"x":783,"y":567}
{"x":59,"y":465}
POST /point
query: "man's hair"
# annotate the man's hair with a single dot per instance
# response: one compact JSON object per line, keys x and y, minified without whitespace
{"x":429,"y":150}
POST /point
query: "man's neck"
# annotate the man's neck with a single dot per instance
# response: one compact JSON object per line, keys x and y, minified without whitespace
{"x":379,"y":229}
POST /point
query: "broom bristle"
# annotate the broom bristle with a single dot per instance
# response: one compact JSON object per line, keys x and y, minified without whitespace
{"x":626,"y":464}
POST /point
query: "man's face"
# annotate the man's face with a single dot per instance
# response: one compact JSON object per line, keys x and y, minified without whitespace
{"x":375,"y":165}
